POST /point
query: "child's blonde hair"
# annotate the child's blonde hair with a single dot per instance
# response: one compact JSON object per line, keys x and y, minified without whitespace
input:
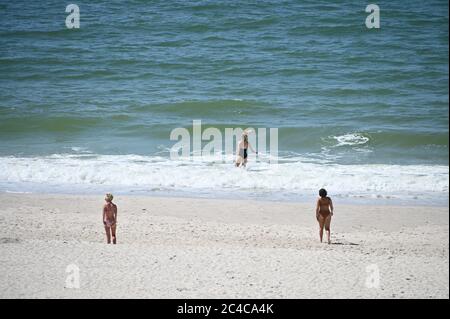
{"x":109,"y":197}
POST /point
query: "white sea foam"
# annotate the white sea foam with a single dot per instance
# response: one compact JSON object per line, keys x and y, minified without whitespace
{"x":294,"y":176}
{"x":350,"y":139}
{"x":77,"y":149}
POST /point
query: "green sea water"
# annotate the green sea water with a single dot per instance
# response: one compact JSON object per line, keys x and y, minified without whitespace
{"x":344,"y":98}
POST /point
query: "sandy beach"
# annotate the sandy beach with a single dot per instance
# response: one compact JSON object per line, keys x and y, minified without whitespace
{"x":209,"y":248}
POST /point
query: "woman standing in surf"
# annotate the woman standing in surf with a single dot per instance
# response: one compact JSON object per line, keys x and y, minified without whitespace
{"x":242,"y":149}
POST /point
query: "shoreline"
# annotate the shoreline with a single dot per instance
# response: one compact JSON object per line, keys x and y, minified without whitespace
{"x":296,"y":181}
{"x":301,"y":200}
{"x":206,"y":248}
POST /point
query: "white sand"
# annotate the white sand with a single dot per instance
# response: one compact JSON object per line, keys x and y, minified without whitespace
{"x":198,"y":248}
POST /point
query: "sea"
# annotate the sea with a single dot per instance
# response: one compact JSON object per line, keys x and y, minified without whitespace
{"x":362,"y":112}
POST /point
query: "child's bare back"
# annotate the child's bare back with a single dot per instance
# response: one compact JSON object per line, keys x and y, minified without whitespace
{"x":110,"y":210}
{"x":110,"y":218}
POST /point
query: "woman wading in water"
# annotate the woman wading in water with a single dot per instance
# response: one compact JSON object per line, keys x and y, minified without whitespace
{"x":242,"y":150}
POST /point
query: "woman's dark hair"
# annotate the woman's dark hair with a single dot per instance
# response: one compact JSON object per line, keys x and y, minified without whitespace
{"x":323,"y":192}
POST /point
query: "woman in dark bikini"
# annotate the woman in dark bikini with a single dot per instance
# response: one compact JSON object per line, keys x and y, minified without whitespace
{"x":324,"y":211}
{"x":242,"y":150}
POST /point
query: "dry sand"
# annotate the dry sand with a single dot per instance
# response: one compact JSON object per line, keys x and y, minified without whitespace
{"x":204,"y":248}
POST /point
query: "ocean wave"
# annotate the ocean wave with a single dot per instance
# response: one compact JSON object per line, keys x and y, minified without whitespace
{"x":208,"y":108}
{"x":294,"y":176}
{"x":38,"y":123}
{"x":351,"y":139}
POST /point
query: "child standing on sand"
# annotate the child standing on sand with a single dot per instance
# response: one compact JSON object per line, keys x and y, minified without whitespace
{"x":324,"y":211}
{"x":110,"y":218}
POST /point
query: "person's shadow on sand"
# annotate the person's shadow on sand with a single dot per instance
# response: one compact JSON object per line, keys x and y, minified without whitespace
{"x":344,"y":243}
